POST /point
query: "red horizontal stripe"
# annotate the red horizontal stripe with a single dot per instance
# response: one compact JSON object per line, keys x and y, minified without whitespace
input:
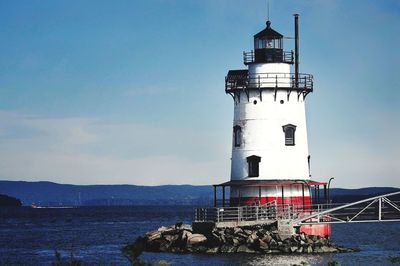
{"x":297,"y":201}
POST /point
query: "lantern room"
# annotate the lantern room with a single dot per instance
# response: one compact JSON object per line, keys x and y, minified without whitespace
{"x":268,"y":47}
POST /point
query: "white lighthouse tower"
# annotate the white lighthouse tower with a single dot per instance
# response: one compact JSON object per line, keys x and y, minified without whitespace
{"x":270,"y":159}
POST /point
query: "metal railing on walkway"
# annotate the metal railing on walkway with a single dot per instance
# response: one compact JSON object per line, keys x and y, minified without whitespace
{"x":242,"y":213}
{"x":375,"y":209}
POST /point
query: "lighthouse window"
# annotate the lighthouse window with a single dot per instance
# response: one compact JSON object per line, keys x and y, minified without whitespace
{"x":254,"y":162}
{"x":289,"y":134}
{"x":268,"y":43}
{"x":237,"y":135}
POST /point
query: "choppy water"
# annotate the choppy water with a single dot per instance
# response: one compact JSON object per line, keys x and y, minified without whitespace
{"x":95,"y":236}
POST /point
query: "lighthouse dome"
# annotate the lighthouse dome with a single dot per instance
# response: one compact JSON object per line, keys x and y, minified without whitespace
{"x":268,"y":33}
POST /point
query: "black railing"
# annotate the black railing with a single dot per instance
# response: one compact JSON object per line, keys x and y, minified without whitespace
{"x":249,"y":57}
{"x":264,"y":212}
{"x":222,"y":203}
{"x":269,"y":80}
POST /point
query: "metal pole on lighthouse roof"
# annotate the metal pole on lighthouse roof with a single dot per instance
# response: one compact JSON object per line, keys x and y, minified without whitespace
{"x":296,"y":50}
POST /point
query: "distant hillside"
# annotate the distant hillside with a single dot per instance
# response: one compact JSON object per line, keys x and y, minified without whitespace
{"x":341,"y":195}
{"x":53,"y":194}
{"x":48,"y":193}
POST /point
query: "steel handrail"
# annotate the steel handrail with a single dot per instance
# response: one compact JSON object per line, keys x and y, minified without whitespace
{"x":249,"y":57}
{"x":241,"y":213}
{"x":329,"y":211}
{"x":269,"y":80}
{"x":359,"y":211}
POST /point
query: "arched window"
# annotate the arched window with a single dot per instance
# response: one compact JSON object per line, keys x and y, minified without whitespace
{"x":289,"y":130}
{"x":237,"y":136}
{"x":253,"y":162}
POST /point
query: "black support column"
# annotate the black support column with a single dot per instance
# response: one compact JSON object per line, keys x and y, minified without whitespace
{"x":223,"y":196}
{"x":215,"y":196}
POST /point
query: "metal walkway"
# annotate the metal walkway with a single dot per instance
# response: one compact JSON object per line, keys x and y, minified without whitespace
{"x":376,"y":209}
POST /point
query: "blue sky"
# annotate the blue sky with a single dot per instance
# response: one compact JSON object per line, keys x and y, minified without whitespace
{"x":98,"y":92}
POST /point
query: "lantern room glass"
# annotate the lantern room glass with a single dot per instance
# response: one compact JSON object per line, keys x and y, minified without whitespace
{"x":268,"y":43}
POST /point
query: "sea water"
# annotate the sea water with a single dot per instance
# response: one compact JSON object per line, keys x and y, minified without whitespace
{"x":95,"y":236}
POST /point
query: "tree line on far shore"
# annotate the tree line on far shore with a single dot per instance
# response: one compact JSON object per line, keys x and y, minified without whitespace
{"x":8,"y":201}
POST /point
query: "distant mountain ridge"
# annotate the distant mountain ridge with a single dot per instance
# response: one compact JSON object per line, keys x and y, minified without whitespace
{"x":53,"y":194}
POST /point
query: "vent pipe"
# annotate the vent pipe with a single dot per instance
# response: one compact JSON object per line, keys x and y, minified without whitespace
{"x":296,"y":50}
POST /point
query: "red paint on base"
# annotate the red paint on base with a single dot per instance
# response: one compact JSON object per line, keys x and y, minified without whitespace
{"x":302,"y":205}
{"x":323,"y":230}
{"x":298,"y":202}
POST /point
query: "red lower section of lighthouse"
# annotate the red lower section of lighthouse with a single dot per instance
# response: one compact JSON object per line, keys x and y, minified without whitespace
{"x":302,"y":204}
{"x":301,"y":197}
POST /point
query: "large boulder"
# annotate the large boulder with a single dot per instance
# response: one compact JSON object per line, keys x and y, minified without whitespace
{"x":182,"y":226}
{"x":212,"y":250}
{"x":171,"y":238}
{"x":186,"y":234}
{"x":267,"y":238}
{"x":235,"y":242}
{"x":213,"y":240}
{"x":242,"y":235}
{"x":244,"y":249}
{"x":247,"y":232}
{"x":228,"y":249}
{"x":309,"y":250}
{"x":327,"y":249}
{"x":196,"y":239}
{"x":165,"y":229}
{"x":237,"y":230}
{"x":262,"y":245}
{"x":303,"y":237}
{"x":273,"y":244}
{"x":153,"y":235}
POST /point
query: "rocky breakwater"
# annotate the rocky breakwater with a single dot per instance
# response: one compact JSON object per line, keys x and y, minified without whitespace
{"x":181,"y":238}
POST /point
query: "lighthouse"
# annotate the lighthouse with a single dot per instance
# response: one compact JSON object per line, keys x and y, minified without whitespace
{"x":270,"y":160}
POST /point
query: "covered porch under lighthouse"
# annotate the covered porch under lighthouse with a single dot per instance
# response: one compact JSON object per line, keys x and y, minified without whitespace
{"x":300,"y":194}
{"x":299,"y":197}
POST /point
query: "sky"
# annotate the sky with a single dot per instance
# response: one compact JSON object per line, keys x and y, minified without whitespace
{"x":132,"y":92}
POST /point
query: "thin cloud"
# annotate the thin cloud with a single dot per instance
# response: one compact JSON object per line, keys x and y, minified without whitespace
{"x":85,"y":151}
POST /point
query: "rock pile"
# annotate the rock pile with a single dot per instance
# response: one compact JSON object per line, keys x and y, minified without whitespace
{"x":181,"y":238}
